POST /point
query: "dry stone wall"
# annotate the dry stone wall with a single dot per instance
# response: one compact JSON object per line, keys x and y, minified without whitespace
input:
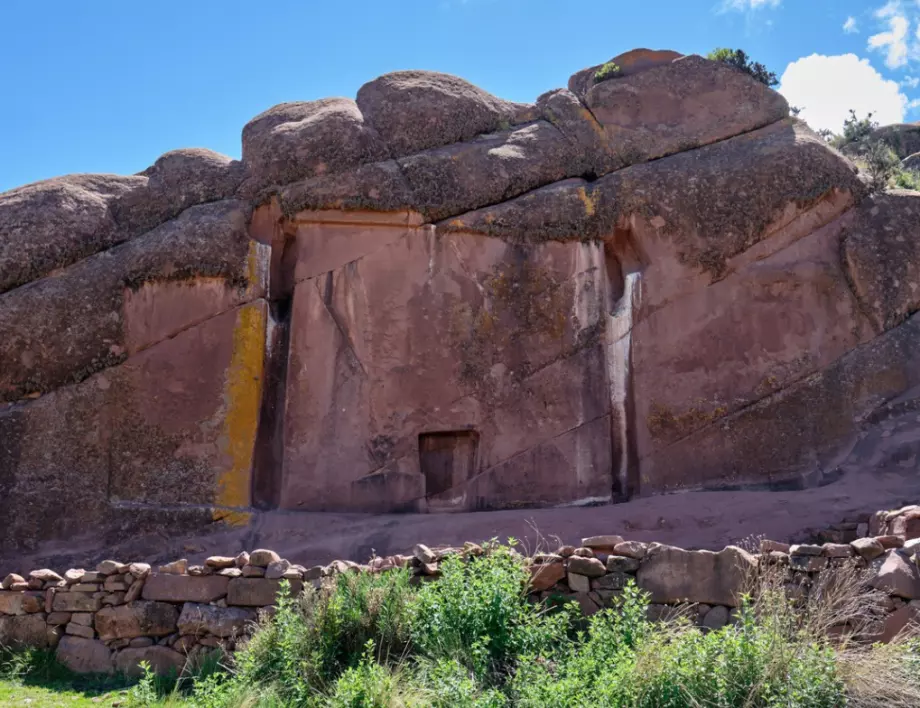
{"x":429,"y":298}
{"x":109,"y":619}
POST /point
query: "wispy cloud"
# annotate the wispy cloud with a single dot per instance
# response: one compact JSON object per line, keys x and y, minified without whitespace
{"x":893,"y":42}
{"x":850,"y":26}
{"x":910,"y":82}
{"x":748,"y":5}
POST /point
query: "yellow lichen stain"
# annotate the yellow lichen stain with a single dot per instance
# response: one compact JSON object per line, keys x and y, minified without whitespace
{"x":588,"y":116}
{"x":243,"y":395}
{"x":255,"y":269}
{"x":663,"y":423}
{"x":587,"y":200}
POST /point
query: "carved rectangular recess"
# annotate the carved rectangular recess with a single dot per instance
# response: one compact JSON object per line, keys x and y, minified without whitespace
{"x":447,"y":459}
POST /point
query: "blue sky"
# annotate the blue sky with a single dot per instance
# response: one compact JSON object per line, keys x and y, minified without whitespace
{"x":108,"y":85}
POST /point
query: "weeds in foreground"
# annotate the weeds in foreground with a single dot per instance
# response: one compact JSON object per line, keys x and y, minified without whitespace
{"x":473,"y":639}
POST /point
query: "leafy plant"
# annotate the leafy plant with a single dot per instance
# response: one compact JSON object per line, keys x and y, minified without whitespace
{"x":882,"y":165}
{"x":739,"y":59}
{"x":610,"y":70}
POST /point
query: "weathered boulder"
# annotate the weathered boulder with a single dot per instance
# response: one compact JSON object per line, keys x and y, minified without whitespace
{"x":54,"y":223}
{"x":631,"y":62}
{"x":911,"y":162}
{"x":546,"y":575}
{"x":293,"y":141}
{"x":179,"y":179}
{"x":417,"y":110}
{"x":491,"y":168}
{"x":84,"y":656}
{"x":671,"y":575}
{"x":678,"y":106}
{"x":162,"y":660}
{"x":198,"y":619}
{"x":122,"y":301}
{"x":137,"y":619}
{"x":881,"y":248}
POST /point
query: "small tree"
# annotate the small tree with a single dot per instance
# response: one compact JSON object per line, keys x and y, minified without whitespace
{"x":858,"y":129}
{"x":739,"y":59}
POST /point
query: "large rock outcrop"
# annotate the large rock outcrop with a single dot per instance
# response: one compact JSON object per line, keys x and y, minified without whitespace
{"x":430,"y":298}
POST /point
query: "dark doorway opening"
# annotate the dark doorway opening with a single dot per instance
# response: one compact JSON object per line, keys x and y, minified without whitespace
{"x":447,"y":459}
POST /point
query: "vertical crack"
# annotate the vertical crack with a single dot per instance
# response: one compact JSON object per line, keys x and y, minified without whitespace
{"x":268,"y":457}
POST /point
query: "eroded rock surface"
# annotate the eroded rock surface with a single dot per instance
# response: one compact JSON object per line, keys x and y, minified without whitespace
{"x":430,"y":298}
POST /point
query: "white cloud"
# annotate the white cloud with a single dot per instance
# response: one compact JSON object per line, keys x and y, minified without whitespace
{"x":915,"y":103}
{"x":850,"y":26}
{"x":910,"y":82}
{"x":894,"y":40}
{"x":827,"y":87}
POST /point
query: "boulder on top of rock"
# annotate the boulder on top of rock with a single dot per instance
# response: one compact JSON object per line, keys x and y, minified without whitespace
{"x":671,"y":575}
{"x":882,"y":254}
{"x":898,"y":576}
{"x":293,"y":141}
{"x":629,"y":63}
{"x":417,"y":110}
{"x":678,"y":106}
{"x":491,"y":168}
{"x":379,"y":186}
{"x":54,"y":223}
{"x":177,"y":180}
{"x":564,"y":110}
{"x":121,"y":301}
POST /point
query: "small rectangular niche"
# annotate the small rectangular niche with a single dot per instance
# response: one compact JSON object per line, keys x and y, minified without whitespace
{"x":447,"y":459}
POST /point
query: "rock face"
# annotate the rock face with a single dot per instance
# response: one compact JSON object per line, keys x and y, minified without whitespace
{"x":431,"y":299}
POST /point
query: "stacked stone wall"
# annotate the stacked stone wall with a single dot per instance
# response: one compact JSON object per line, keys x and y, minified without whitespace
{"x":113,"y":617}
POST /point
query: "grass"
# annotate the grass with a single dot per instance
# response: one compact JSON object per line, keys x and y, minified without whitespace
{"x":33,"y":678}
{"x":473,"y":639}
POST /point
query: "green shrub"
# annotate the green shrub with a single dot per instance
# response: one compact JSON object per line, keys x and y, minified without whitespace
{"x":367,"y":685}
{"x":610,"y":70}
{"x":882,"y":165}
{"x":478,"y":614}
{"x":907,"y":179}
{"x":313,"y":639}
{"x":739,"y":59}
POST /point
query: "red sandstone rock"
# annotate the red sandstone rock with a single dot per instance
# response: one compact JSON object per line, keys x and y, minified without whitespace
{"x":257,"y":592}
{"x":898,"y":576}
{"x":198,"y":619}
{"x":545,"y":576}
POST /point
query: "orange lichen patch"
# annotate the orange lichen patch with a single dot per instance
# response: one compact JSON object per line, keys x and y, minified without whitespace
{"x":663,"y":423}
{"x":242,"y":394}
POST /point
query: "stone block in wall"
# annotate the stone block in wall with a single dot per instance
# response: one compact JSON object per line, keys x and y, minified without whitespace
{"x":672,"y":575}
{"x":141,"y":618}
{"x":898,"y":575}
{"x":24,"y":631}
{"x":185,"y":588}
{"x":257,"y":592}
{"x":84,"y":656}
{"x":198,"y":619}
{"x":162,"y":660}
{"x":75,"y":602}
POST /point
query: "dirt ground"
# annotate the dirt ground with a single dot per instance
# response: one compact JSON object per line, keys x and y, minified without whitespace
{"x":689,"y":520}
